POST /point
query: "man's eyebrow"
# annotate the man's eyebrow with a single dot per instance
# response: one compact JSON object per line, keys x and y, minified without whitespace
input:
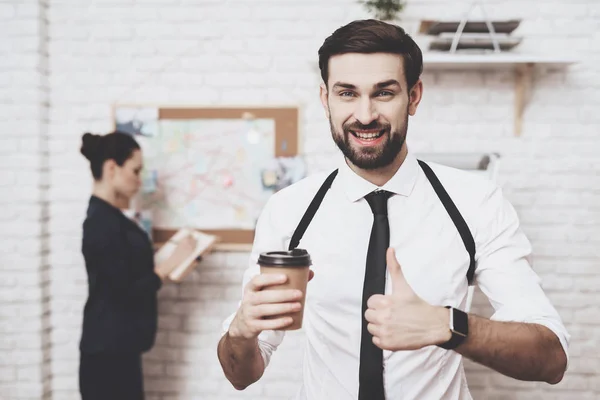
{"x":384,"y":84}
{"x":379,"y":85}
{"x":344,"y":85}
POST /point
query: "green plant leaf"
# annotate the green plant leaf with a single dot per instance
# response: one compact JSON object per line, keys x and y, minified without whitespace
{"x":384,"y":9}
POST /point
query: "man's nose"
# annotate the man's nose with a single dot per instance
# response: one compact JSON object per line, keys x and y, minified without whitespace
{"x":365,"y":112}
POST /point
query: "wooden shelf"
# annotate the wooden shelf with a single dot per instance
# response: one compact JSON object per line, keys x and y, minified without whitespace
{"x":462,"y":61}
{"x":233,"y":247}
{"x":220,"y":247}
{"x":523,"y":66}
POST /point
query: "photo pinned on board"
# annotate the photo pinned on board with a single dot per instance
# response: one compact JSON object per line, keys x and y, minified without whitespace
{"x":137,"y":121}
{"x":282,"y":172}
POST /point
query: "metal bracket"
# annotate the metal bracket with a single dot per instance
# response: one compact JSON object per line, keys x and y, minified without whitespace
{"x":464,"y":20}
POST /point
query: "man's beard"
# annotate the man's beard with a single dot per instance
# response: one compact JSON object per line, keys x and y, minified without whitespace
{"x":370,"y":158}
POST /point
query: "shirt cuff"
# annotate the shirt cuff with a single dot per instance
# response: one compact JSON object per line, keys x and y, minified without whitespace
{"x":266,"y":350}
{"x":268,"y":341}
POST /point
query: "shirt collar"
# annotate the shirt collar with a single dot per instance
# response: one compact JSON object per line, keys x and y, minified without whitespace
{"x":401,"y":183}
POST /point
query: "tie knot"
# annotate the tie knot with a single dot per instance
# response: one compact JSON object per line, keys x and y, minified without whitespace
{"x":378,"y":201}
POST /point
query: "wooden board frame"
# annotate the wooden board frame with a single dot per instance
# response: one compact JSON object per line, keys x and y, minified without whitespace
{"x":286,"y":145}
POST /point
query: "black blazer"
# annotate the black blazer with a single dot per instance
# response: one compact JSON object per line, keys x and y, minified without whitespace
{"x":120,"y":314}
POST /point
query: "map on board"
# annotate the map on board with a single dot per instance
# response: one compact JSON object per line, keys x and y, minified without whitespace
{"x":207,"y":173}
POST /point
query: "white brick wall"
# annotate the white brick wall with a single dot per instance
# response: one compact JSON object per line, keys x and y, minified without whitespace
{"x":255,"y":53}
{"x":24,"y":294}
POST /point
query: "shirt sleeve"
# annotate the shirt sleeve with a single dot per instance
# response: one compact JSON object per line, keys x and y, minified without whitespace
{"x":504,"y":273}
{"x":104,"y":248}
{"x":266,"y":238}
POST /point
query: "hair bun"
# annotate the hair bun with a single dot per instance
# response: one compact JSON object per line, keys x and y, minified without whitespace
{"x":91,"y":145}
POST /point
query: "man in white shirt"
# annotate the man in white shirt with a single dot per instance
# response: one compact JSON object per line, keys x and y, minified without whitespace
{"x":403,"y":337}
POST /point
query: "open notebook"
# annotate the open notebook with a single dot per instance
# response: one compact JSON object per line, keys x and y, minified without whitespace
{"x":204,"y":244}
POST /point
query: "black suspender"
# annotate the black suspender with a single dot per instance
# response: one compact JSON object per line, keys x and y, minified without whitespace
{"x":311,"y":211}
{"x":457,"y":219}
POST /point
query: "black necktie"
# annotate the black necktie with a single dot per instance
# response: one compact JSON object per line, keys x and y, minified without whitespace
{"x":371,"y":356}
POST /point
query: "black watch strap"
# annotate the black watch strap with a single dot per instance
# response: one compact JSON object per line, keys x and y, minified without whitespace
{"x":459,"y":327}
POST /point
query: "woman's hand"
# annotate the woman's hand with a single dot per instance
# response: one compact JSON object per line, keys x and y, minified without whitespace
{"x":185,"y":247}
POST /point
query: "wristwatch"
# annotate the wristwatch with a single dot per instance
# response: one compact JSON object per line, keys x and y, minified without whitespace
{"x":459,"y":327}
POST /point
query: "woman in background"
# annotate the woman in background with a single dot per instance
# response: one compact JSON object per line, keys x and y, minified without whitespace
{"x":120,"y":315}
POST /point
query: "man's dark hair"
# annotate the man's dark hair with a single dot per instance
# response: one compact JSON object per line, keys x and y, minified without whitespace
{"x":373,"y":36}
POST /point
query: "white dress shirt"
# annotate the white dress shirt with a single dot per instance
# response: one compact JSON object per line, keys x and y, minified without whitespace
{"x":434,"y":262}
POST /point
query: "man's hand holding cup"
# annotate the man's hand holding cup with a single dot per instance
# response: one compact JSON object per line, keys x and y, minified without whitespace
{"x":274,"y":300}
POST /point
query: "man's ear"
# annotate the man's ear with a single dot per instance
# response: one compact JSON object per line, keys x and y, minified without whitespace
{"x":414,"y":97}
{"x":323,"y":94}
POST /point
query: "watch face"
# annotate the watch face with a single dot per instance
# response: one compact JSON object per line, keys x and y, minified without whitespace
{"x":459,"y":322}
{"x":459,"y":325}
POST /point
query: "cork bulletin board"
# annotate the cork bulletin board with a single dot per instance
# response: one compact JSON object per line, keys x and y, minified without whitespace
{"x":211,"y":169}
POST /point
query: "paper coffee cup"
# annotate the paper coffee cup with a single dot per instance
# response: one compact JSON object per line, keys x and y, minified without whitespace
{"x":295,"y":264}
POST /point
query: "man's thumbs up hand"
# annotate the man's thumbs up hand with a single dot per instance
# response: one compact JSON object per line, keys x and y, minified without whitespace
{"x":400,"y":286}
{"x":402,"y":320}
